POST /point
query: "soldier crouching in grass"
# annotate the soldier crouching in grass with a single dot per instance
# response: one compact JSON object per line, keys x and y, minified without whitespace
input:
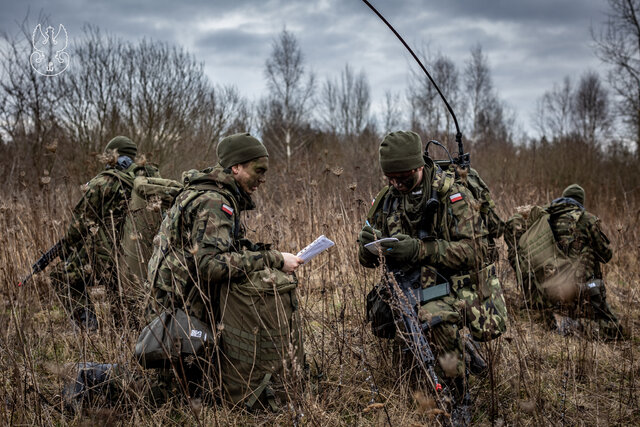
{"x":440,"y":236}
{"x":223,"y":310}
{"x":203,"y":264}
{"x":557,"y":251}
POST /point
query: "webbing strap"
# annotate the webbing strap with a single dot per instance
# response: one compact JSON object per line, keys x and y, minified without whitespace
{"x":376,"y":202}
{"x":239,"y":344}
{"x":434,"y":292}
{"x":258,"y":391}
{"x":237,"y":356}
{"x":279,"y":332}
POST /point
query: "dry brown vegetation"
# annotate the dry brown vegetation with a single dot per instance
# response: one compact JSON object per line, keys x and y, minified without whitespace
{"x":536,"y":376}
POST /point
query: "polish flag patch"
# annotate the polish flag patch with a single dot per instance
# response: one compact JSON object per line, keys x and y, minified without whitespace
{"x":227,"y":209}
{"x":455,"y":197}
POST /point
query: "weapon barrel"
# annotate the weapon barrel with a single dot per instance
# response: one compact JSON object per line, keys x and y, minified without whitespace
{"x":42,"y":262}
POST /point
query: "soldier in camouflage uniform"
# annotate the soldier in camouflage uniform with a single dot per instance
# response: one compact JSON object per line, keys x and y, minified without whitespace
{"x":200,"y":247}
{"x":90,"y":244}
{"x":579,"y":236}
{"x":454,"y":250}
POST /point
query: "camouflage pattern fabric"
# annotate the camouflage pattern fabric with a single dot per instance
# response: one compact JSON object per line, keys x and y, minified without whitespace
{"x":495,"y":225}
{"x":90,"y":244}
{"x":457,"y":245}
{"x":201,"y":245}
{"x":515,"y":227}
{"x":579,"y":236}
{"x":203,"y":264}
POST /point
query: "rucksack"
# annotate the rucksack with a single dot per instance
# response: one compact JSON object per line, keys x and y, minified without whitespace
{"x":543,"y":266}
{"x":150,"y":199}
{"x":261,"y":339}
{"x":481,"y":192}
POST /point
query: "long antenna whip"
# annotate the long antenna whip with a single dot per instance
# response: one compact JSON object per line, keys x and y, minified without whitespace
{"x":462,"y":157}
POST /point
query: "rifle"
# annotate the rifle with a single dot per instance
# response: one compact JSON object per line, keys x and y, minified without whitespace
{"x":407,"y":300}
{"x":42,"y":262}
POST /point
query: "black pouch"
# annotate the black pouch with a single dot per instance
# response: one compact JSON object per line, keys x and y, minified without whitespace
{"x":170,"y":336}
{"x":379,"y":312}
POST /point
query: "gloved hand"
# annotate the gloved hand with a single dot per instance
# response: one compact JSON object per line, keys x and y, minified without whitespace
{"x":406,"y":249}
{"x":368,"y":235}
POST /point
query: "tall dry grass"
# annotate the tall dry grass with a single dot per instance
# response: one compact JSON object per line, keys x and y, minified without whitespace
{"x":536,"y":377}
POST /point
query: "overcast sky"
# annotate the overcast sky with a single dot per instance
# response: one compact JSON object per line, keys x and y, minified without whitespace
{"x":530,"y":44}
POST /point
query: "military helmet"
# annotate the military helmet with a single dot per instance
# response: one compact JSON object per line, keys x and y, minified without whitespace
{"x":123,"y":145}
{"x":400,"y":152}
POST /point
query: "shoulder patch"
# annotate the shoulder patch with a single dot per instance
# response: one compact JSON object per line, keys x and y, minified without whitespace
{"x":227,"y":209}
{"x":455,"y":197}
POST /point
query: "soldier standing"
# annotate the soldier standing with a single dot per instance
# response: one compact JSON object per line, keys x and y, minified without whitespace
{"x":90,"y":244}
{"x":447,"y":241}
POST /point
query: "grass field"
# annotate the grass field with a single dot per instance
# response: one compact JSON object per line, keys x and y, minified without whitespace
{"x":536,"y":377}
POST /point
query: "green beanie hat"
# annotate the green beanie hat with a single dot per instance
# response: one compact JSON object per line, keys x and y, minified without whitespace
{"x":575,"y":192}
{"x":240,"y":148}
{"x":401,"y":152}
{"x":123,"y":145}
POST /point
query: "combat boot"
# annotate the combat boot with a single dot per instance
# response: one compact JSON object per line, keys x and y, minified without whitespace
{"x":473,"y":358}
{"x":567,"y":326}
{"x":91,"y":381}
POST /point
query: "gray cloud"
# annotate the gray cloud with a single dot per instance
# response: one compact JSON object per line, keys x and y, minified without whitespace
{"x":531,"y":44}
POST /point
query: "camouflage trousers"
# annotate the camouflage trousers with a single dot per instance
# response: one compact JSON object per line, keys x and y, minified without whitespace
{"x":599,"y":320}
{"x":591,"y":313}
{"x":77,"y":272}
{"x":445,"y":323}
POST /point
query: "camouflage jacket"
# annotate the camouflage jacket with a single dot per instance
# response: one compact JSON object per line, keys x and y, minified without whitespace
{"x":201,"y":244}
{"x":99,"y":215}
{"x":457,"y":241}
{"x":579,"y":236}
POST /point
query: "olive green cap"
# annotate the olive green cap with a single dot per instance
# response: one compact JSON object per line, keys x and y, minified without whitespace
{"x":123,"y":145}
{"x":240,"y":148}
{"x":401,"y":152}
{"x":575,"y":192}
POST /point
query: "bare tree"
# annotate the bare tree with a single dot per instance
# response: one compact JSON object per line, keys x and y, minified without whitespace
{"x":428,"y":112}
{"x":27,"y":110}
{"x":391,"y":112}
{"x":478,"y":88}
{"x":90,"y":110}
{"x":591,"y":114}
{"x":285,"y":112}
{"x":346,"y":103}
{"x":554,"y":110}
{"x":618,"y":44}
{"x":154,"y":93}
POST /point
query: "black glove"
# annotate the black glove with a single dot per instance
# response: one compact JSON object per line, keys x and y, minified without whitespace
{"x":368,"y":235}
{"x":406,"y":249}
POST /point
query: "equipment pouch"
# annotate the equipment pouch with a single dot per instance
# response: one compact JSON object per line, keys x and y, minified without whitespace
{"x":268,"y":281}
{"x":170,"y":336}
{"x":379,"y":312}
{"x":485,"y":309}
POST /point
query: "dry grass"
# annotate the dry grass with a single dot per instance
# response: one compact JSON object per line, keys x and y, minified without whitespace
{"x":536,"y":377}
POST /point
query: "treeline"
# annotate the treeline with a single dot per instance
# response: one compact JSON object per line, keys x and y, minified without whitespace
{"x":159,"y":95}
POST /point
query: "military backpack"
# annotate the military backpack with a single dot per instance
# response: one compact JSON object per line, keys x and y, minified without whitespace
{"x":541,"y":265}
